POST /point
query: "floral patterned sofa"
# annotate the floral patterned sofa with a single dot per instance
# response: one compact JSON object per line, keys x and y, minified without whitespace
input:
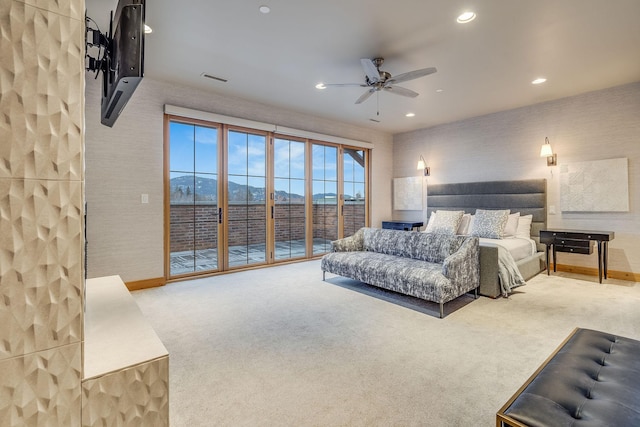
{"x":433,"y":267}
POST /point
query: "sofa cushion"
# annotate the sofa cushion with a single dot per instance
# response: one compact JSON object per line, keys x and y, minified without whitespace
{"x":390,"y":242}
{"x":435,"y":247}
{"x":422,"y":246}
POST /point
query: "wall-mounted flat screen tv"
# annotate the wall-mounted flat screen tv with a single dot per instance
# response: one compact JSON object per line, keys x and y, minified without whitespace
{"x":124,"y":67}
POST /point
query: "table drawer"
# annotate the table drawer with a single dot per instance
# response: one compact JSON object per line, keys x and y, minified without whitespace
{"x":586,"y":250}
{"x":575,"y":235}
{"x":573,"y":242}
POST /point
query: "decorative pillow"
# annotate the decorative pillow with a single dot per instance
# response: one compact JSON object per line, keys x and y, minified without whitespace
{"x":489,"y":223}
{"x":470,"y":226}
{"x":512,"y":225}
{"x":463,"y":227}
{"x":429,"y":227}
{"x":524,"y":226}
{"x":447,"y":222}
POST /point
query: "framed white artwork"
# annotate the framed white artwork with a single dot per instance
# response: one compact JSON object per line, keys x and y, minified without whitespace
{"x":407,"y":193}
{"x":595,"y":186}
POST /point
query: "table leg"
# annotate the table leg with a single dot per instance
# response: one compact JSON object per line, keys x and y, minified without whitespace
{"x":554,"y":258}
{"x":599,"y":261}
{"x":605,"y":258}
{"x":547,"y":254}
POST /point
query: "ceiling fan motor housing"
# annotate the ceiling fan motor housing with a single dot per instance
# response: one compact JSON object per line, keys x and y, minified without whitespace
{"x":384,"y":76}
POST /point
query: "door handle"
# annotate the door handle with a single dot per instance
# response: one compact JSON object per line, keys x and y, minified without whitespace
{"x":219,"y":215}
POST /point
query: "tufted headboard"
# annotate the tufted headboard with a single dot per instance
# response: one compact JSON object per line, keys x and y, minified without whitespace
{"x":524,"y":196}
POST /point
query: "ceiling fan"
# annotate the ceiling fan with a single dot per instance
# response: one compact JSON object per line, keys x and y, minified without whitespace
{"x":377,"y":80}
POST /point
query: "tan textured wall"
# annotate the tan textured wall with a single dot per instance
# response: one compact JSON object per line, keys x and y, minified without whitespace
{"x":135,"y":396}
{"x":41,"y":172}
{"x":598,"y":125}
{"x":126,"y":237}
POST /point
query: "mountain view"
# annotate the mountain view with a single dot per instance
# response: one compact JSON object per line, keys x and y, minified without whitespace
{"x":205,"y":189}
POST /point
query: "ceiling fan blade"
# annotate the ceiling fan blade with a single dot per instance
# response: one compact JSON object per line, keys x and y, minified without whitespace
{"x":412,"y":75}
{"x":370,"y":70}
{"x":345,"y":85}
{"x":365,"y":96}
{"x":401,"y":91}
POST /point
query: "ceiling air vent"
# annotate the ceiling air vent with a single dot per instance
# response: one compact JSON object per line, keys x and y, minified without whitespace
{"x":209,"y":76}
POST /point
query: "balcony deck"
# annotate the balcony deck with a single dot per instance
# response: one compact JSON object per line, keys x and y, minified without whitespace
{"x":185,"y":262}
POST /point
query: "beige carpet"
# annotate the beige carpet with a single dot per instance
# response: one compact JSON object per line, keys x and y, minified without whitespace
{"x":278,"y":346}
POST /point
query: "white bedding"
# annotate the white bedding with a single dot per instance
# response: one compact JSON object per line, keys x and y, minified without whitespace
{"x":508,"y":250}
{"x":518,"y":247}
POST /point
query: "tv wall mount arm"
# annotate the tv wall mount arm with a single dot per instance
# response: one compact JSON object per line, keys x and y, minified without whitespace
{"x":95,"y":38}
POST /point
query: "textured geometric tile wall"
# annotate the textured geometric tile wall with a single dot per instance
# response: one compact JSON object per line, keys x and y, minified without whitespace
{"x":41,"y":172}
{"x":41,"y":92}
{"x":40,"y":265}
{"x":72,"y":8}
{"x":137,"y":396}
{"x":41,"y":389}
{"x":41,"y":119}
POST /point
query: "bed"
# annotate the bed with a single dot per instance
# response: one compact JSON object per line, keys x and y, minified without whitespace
{"x":528,"y":197}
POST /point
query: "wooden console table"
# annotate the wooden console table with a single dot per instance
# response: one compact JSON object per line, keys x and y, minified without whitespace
{"x":402,"y":225}
{"x":579,"y":242}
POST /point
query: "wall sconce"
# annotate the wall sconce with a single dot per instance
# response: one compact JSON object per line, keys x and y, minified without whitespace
{"x":545,"y":151}
{"x":422,"y":165}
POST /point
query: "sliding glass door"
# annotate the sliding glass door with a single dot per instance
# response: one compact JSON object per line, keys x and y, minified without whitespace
{"x":193,"y":198}
{"x":246,"y":198}
{"x":354,"y":190}
{"x":324,"y":159}
{"x":289,"y":199}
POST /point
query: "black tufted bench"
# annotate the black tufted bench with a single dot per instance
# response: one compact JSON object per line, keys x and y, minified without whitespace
{"x":592,"y":379}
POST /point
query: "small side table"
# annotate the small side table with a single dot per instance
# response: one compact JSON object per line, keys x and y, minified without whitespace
{"x":579,"y":242}
{"x":402,"y":225}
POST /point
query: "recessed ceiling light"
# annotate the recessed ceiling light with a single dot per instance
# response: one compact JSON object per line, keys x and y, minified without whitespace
{"x":147,"y":29}
{"x":466,"y":17}
{"x":264,"y":9}
{"x":410,"y":114}
{"x":439,"y":90}
{"x":538,"y":81}
{"x":320,"y":86}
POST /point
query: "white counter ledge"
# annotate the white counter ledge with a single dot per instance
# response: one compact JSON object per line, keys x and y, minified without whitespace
{"x":116,"y":333}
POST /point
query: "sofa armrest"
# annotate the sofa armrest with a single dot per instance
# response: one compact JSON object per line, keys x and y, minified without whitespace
{"x":463,"y":266}
{"x":352,"y":243}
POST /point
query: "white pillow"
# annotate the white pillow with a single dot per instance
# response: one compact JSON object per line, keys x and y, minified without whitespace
{"x":463,"y":227}
{"x":512,"y":225}
{"x":489,"y":223}
{"x":429,"y":227}
{"x":524,"y":226}
{"x":447,"y":222}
